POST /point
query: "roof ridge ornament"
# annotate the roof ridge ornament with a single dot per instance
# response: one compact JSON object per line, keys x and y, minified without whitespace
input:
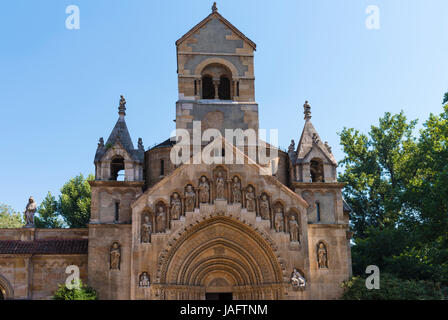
{"x":214,"y":7}
{"x":122,"y":107}
{"x":307,"y":110}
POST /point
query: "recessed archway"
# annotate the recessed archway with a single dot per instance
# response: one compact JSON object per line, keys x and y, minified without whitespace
{"x":6,"y":291}
{"x":221,"y":255}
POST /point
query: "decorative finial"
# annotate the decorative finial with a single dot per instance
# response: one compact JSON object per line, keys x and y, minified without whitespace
{"x":122,"y":107}
{"x":140,"y":144}
{"x":327,"y":146}
{"x":307,"y":111}
{"x":214,"y":7}
{"x":291,"y":147}
{"x":101,"y":143}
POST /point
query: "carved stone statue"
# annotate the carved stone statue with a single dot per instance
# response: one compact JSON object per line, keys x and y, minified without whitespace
{"x":297,"y":280}
{"x":140,"y":144}
{"x":101,"y":143}
{"x":250,"y":199}
{"x":264,"y":207}
{"x":294,"y":228}
{"x":322,"y":256}
{"x":161,"y":218}
{"x":146,"y":230}
{"x":236,"y":190}
{"x":115,"y":256}
{"x":190,"y":199}
{"x":220,"y":187}
{"x":291,"y":147}
{"x":144,"y":280}
{"x":30,"y":210}
{"x":214,"y":7}
{"x":278,"y":219}
{"x":204,"y":190}
{"x":176,"y":206}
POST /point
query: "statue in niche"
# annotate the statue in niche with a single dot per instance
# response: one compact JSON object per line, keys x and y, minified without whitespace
{"x":190,"y":199}
{"x":236,"y":190}
{"x":161,"y":218}
{"x":297,"y":280}
{"x":322,"y":256}
{"x":264,"y":207}
{"x":294,"y":229}
{"x":115,"y":256}
{"x":30,"y":210}
{"x":220,"y":187}
{"x":250,"y":199}
{"x":278,"y":219}
{"x":144,"y":280}
{"x":176,"y":206}
{"x":146,"y":230}
{"x":204,"y":190}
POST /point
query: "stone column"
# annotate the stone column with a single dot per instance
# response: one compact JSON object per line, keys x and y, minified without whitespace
{"x":216,"y":84}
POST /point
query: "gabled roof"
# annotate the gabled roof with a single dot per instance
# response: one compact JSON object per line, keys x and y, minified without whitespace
{"x":120,"y":134}
{"x":310,"y":139}
{"x":215,"y":14}
{"x":48,"y":246}
{"x":218,"y":142}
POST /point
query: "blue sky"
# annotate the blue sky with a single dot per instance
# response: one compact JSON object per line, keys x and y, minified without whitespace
{"x":59,"y":88}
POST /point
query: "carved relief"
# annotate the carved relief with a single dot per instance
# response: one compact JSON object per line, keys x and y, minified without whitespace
{"x":146,"y":229}
{"x":143,"y":280}
{"x":220,"y":186}
{"x":115,"y":256}
{"x":294,"y":228}
{"x":298,"y":281}
{"x":279,"y":218}
{"x":204,"y":190}
{"x":190,"y":198}
{"x":176,"y":206}
{"x":250,"y":198}
{"x":236,"y":190}
{"x":322,"y":257}
{"x":161,"y":218}
{"x":265,"y":210}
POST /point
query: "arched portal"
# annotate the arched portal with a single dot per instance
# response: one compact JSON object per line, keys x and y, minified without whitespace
{"x":6,"y":291}
{"x":220,"y":255}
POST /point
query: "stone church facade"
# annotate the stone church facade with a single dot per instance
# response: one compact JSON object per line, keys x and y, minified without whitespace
{"x":162,"y":230}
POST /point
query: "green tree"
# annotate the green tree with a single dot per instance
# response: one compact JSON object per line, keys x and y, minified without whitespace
{"x":74,"y":201}
{"x":81,"y":292}
{"x":392,"y":288}
{"x":48,"y":213}
{"x":9,"y":218}
{"x":376,"y":171}
{"x":445,"y":98}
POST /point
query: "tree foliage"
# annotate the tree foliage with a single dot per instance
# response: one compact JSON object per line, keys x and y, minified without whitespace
{"x":391,"y":288}
{"x":9,"y":218}
{"x":82,"y":292}
{"x":397,"y":186}
{"x":48,"y":213}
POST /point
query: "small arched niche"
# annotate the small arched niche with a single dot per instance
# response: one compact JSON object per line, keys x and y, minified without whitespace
{"x":317,"y":170}
{"x":216,"y":82}
{"x":117,"y":169}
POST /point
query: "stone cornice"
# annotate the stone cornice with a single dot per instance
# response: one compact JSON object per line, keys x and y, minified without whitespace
{"x":118,"y":184}
{"x":318,"y":185}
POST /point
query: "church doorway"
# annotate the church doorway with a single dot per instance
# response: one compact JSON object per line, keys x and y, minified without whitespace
{"x":223,"y":296}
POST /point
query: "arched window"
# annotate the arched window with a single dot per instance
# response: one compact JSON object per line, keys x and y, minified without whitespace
{"x":117,"y":169}
{"x":208,"y":89}
{"x":224,"y":88}
{"x":317,"y":170}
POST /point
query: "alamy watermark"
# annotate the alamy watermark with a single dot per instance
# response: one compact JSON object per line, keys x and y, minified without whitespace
{"x":373,"y":281}
{"x":73,"y":21}
{"x":373,"y":18}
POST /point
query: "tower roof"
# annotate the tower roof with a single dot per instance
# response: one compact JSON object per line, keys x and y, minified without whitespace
{"x":120,"y":134}
{"x":215,"y":14}
{"x":311,"y":139}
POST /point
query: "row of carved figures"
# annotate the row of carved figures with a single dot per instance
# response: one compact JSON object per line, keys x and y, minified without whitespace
{"x":159,"y":221}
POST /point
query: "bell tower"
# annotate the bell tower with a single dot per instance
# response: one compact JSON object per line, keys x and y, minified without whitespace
{"x":215,"y":66}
